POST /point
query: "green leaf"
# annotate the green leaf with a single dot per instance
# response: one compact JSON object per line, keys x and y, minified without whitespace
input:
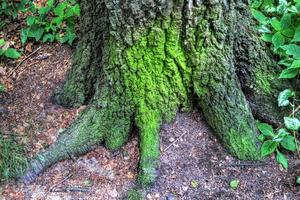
{"x":292,"y":123}
{"x":265,"y":129}
{"x":12,"y":53}
{"x":297,"y":35}
{"x":59,"y":10}
{"x":281,"y":159}
{"x":24,"y":35}
{"x":298,"y":180}
{"x":275,"y":23}
{"x":288,"y":143}
{"x":2,"y":88}
{"x":2,"y":42}
{"x":286,"y":21}
{"x":292,"y":50}
{"x":278,"y":40}
{"x":283,"y":97}
{"x":268,"y":147}
{"x":259,"y":16}
{"x":267,"y":37}
{"x":234,"y":184}
{"x":48,"y":38}
{"x":30,"y":20}
{"x":44,"y":10}
{"x":295,"y":64}
{"x":289,"y":73}
{"x":261,"y":137}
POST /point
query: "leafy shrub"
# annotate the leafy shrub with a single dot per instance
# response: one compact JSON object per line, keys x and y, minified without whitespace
{"x":52,"y":22}
{"x":279,"y":24}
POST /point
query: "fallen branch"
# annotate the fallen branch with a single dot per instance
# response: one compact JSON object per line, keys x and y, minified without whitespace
{"x":174,"y":142}
{"x":22,"y":61}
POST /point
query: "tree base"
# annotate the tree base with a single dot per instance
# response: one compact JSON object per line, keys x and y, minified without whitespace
{"x":138,"y":67}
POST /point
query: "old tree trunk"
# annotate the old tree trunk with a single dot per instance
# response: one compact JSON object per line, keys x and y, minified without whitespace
{"x":140,"y":61}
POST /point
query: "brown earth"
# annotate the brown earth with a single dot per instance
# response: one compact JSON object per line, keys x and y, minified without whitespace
{"x":193,"y":163}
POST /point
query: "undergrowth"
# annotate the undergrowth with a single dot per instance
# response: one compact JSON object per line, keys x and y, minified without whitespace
{"x":279,"y":25}
{"x":49,"y":22}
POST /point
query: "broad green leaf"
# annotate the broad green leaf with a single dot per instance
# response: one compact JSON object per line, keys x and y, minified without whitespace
{"x":268,"y":147}
{"x":295,"y":64}
{"x":265,"y":129}
{"x":59,"y":9}
{"x":289,"y":73}
{"x":292,"y":50}
{"x":24,"y":35}
{"x":292,"y":123}
{"x":298,"y":180}
{"x":259,"y":16}
{"x":286,"y":21}
{"x":44,"y":10}
{"x":261,"y":137}
{"x":48,"y":37}
{"x":12,"y":53}
{"x":281,"y":159}
{"x":288,"y":143}
{"x":1,"y":51}
{"x":283,"y":97}
{"x":234,"y":184}
{"x":288,"y":32}
{"x":278,"y":40}
{"x":2,"y":42}
{"x":30,"y":20}
{"x":2,"y":88}
{"x":276,"y":24}
{"x":267,"y":37}
{"x":297,"y":35}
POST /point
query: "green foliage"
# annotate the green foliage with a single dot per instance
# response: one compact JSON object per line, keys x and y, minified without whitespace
{"x":11,"y":8}
{"x":279,"y":24}
{"x":272,"y":141}
{"x":12,"y":159}
{"x":2,"y":88}
{"x":52,"y":22}
{"x":6,"y":51}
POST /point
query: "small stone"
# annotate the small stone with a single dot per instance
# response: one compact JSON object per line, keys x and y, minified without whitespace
{"x":113,"y":193}
{"x":170,"y":197}
{"x":185,"y":188}
{"x":149,"y":196}
{"x":171,"y":139}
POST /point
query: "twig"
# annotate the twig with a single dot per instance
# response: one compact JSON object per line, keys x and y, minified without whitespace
{"x":174,"y":142}
{"x":22,"y":61}
{"x":245,"y":164}
{"x":72,"y":189}
{"x":53,"y":187}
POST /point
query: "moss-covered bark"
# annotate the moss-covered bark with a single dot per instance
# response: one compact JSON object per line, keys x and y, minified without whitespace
{"x":139,"y":62}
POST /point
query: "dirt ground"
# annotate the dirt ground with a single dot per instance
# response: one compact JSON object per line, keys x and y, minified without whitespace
{"x":193,"y":164}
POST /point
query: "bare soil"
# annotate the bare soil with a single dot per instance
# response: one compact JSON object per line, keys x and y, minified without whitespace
{"x":193,"y":163}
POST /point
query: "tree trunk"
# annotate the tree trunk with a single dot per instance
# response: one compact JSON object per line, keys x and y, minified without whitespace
{"x":139,"y":62}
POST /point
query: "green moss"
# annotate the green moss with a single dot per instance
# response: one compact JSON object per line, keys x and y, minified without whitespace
{"x":263,"y":81}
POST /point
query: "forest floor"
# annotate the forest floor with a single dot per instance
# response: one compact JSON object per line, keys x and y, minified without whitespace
{"x":193,"y":163}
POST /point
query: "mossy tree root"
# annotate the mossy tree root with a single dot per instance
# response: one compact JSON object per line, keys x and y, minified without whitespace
{"x":143,"y":61}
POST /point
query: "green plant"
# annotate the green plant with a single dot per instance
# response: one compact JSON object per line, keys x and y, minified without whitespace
{"x":234,"y":184}
{"x":279,"y":24}
{"x":12,"y":159}
{"x":52,"y":22}
{"x":11,"y":8}
{"x":8,"y":52}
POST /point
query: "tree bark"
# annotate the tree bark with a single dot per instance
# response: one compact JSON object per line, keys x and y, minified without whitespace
{"x":139,"y":62}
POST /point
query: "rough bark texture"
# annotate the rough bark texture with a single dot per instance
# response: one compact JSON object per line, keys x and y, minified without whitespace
{"x":139,"y":62}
